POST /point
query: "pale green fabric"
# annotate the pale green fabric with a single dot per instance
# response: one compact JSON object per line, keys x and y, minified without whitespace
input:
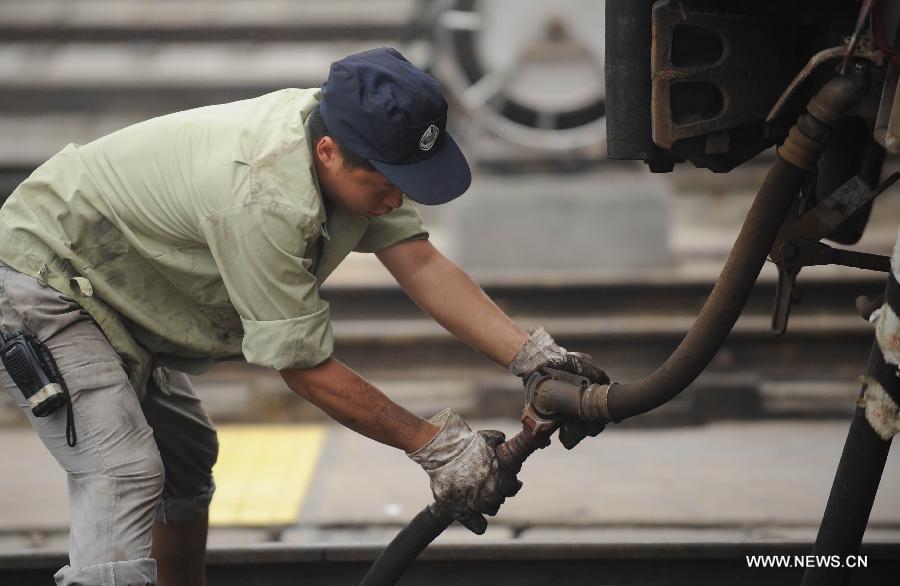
{"x":197,"y":236}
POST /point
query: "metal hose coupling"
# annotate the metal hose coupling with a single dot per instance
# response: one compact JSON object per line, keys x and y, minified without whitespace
{"x":808,"y":138}
{"x":556,"y":393}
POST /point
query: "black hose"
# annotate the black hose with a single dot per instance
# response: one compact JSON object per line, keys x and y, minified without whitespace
{"x":429,"y":523}
{"x":859,"y":470}
{"x":796,"y":157}
{"x":404,"y":548}
{"x":853,"y":490}
{"x":725,"y":303}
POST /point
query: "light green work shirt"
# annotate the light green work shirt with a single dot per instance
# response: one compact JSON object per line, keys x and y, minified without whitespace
{"x":197,"y":236}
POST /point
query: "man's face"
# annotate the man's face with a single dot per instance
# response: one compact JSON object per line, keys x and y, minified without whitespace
{"x":359,"y":191}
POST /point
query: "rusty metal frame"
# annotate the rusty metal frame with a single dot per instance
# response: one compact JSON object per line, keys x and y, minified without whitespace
{"x":742,"y":76}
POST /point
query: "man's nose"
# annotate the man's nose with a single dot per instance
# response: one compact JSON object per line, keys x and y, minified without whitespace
{"x":395,"y":200}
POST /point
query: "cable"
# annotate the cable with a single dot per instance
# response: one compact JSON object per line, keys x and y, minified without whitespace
{"x":71,"y":435}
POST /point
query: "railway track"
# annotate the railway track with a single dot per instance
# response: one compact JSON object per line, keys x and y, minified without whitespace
{"x":672,"y":564}
{"x":203,"y":21}
{"x":71,"y":71}
{"x":103,"y":56}
{"x":630,"y":326}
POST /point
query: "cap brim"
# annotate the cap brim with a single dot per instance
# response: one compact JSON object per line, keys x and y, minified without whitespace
{"x":443,"y":176}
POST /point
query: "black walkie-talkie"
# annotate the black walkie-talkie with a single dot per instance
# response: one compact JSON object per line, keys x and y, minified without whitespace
{"x":32,"y":367}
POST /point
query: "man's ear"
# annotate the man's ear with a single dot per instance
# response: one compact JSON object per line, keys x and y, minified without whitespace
{"x":327,"y":151}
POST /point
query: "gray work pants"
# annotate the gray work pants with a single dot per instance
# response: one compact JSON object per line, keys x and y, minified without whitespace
{"x":135,"y":461}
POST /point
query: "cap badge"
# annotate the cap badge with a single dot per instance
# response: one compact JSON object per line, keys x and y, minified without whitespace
{"x":429,"y":138}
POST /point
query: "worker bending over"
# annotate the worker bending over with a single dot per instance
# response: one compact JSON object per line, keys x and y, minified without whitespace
{"x":203,"y":236}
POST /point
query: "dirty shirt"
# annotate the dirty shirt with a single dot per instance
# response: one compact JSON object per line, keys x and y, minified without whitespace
{"x":197,"y":236}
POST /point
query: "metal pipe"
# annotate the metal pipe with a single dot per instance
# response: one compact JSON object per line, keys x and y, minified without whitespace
{"x":799,"y":154}
{"x":838,"y":96}
{"x":862,"y":462}
{"x":861,"y":260}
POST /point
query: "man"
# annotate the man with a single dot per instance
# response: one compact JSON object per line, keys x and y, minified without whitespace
{"x":203,"y":236}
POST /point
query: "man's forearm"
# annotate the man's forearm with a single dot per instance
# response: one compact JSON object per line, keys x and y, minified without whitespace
{"x":454,"y":300}
{"x":357,"y":404}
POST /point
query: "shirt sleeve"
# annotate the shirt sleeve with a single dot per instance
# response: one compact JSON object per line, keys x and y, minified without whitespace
{"x":260,"y":249}
{"x":404,"y":223}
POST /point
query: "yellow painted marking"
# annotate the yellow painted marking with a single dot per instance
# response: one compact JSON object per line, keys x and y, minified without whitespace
{"x":263,"y":473}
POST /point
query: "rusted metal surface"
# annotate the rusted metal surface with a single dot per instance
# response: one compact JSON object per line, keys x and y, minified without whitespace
{"x":565,"y":394}
{"x":797,"y":244}
{"x":535,"y":435}
{"x":718,"y":67}
{"x":800,"y":150}
{"x":713,"y":73}
{"x":835,"y":209}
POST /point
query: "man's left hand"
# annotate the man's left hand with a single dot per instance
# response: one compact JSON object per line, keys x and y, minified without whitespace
{"x":541,"y":351}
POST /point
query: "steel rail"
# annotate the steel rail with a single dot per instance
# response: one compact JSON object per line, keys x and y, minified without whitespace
{"x":497,"y":564}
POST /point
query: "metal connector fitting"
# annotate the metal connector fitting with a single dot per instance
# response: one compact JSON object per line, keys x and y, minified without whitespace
{"x":595,"y":404}
{"x":800,"y":150}
{"x":556,"y":393}
{"x":837,"y":96}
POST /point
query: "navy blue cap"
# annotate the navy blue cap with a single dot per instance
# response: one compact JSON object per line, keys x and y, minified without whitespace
{"x":381,"y":107}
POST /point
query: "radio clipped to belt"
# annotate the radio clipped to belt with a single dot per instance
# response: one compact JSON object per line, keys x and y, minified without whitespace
{"x":32,"y":367}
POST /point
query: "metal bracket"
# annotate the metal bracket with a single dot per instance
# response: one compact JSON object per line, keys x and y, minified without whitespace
{"x":786,"y":296}
{"x":799,"y":252}
{"x":797,"y":244}
{"x":832,"y":53}
{"x":829,"y":213}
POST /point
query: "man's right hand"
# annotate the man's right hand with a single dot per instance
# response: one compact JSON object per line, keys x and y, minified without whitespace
{"x":466,"y":478}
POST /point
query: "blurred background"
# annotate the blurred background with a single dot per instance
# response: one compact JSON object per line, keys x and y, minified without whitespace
{"x":613,"y":260}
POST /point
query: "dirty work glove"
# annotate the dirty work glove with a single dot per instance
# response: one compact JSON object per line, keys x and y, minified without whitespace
{"x":466,"y":479}
{"x":541,"y":351}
